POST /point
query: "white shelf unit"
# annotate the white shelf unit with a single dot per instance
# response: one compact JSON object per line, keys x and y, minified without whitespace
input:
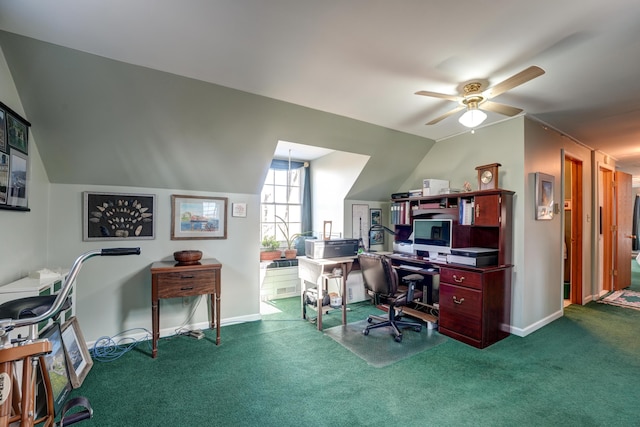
{"x":30,"y":287}
{"x":281,"y":282}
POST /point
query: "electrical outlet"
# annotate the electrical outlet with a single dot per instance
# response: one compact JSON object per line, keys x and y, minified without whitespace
{"x":185,"y":301}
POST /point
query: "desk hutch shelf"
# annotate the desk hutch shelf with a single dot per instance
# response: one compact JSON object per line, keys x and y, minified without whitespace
{"x":475,"y":302}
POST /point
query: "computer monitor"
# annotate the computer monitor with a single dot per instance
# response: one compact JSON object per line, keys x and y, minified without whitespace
{"x":432,"y":235}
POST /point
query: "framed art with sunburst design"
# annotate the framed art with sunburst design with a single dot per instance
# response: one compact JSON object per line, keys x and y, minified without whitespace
{"x":110,"y":216}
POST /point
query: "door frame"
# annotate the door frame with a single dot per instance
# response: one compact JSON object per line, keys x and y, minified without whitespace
{"x":577,"y":227}
{"x":604,"y":205}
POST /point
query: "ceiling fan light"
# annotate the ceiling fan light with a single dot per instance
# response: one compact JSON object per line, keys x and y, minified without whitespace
{"x":472,"y":118}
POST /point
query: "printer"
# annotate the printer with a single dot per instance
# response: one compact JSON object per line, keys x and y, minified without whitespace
{"x":315,"y":248}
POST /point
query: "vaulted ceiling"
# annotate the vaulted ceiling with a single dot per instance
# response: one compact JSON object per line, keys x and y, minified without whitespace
{"x":365,"y":59}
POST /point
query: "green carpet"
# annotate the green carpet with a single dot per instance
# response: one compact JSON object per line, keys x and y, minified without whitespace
{"x":580,"y":370}
{"x":379,"y":348}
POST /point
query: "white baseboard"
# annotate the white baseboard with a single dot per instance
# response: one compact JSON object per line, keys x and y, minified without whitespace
{"x":523,"y":332}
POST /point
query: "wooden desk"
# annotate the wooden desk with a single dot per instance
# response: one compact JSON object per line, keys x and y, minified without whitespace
{"x":170,"y":280}
{"x":310,"y":270}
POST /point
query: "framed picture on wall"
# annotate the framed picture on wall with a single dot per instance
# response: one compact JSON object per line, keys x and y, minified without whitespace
{"x":17,"y":133}
{"x":3,"y":130}
{"x":14,"y":160}
{"x":376,"y":216}
{"x":194,"y":217}
{"x":4,"y":178}
{"x":18,"y":185}
{"x":110,"y":216}
{"x":544,"y":196}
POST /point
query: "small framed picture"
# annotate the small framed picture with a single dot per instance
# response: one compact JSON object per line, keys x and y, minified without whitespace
{"x":544,"y":196}
{"x":18,"y":179}
{"x":17,"y":133}
{"x":239,"y":210}
{"x":109,"y":216}
{"x":194,"y":217}
{"x":4,"y":178}
{"x":78,"y":358}
{"x":376,"y":237}
{"x":376,"y":216}
{"x":3,"y":130}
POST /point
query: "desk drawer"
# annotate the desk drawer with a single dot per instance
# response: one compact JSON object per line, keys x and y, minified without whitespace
{"x":461,"y":277}
{"x":185,"y":284}
{"x":461,"y":310}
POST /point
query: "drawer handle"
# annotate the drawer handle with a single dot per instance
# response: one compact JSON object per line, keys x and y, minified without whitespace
{"x":187,"y":277}
{"x":458,"y":279}
{"x":189,"y":288}
{"x":458,"y":301}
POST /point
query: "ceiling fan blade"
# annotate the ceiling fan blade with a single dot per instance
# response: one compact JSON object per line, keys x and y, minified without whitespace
{"x":514,"y":81}
{"x":507,"y":110}
{"x":445,"y":115}
{"x":455,"y":98}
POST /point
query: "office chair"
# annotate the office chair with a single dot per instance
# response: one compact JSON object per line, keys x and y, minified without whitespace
{"x":381,"y":282}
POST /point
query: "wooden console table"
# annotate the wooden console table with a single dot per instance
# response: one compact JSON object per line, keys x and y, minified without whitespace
{"x":171,"y":280}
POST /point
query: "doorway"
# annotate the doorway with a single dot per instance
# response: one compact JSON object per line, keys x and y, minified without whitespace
{"x":573,"y":207}
{"x":616,"y":209}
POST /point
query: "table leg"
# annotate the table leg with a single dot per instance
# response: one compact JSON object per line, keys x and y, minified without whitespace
{"x":345,"y":274}
{"x":218,"y":317}
{"x":319,"y":306}
{"x":155,"y":323}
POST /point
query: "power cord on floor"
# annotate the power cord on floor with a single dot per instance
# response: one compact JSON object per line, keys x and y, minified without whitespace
{"x":108,"y":349}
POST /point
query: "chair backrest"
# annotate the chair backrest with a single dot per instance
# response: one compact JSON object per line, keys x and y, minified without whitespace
{"x":378,"y":274}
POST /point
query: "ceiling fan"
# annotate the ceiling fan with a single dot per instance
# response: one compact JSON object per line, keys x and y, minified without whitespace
{"x":474,"y":99}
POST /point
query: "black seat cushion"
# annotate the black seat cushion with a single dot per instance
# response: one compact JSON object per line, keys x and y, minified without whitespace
{"x":24,"y":308}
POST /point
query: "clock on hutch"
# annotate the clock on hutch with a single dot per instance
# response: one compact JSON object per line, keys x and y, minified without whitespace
{"x":488,"y":176}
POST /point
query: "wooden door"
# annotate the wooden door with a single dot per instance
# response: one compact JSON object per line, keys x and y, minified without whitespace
{"x":606,"y":228}
{"x":575,"y":248}
{"x":622,"y":236}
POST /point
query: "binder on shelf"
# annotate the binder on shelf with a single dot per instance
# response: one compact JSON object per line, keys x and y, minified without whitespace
{"x":466,"y":212}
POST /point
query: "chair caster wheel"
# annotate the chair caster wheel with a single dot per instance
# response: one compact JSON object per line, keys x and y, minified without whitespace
{"x":418,"y":328}
{"x":398,"y":338}
{"x":365,"y":332}
{"x":369,"y":320}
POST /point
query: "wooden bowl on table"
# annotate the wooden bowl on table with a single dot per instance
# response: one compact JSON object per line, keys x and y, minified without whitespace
{"x":187,"y":257}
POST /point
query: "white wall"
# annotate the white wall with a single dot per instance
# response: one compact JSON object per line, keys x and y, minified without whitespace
{"x":114,"y":293}
{"x":333,"y":176}
{"x":542,"y":291}
{"x":23,"y":233}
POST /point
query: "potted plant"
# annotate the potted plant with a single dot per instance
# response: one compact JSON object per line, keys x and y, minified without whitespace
{"x":290,"y":252}
{"x":271,"y":249}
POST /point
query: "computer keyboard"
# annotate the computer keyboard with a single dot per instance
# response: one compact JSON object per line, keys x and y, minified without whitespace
{"x":411,"y":267}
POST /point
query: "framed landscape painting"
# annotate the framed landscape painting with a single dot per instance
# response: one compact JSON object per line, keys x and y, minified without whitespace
{"x":195,"y":217}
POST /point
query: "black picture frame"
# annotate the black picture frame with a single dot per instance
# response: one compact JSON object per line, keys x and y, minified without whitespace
{"x":17,"y":133}
{"x":4,"y":178}
{"x":14,"y":160}
{"x":3,"y":130}
{"x":118,"y":216}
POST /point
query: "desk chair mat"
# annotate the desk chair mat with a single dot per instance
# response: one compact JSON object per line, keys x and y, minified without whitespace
{"x":377,"y":348}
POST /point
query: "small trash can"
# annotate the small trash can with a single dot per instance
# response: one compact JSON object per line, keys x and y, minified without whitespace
{"x":567,"y":290}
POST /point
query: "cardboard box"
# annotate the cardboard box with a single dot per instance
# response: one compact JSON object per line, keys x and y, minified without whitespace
{"x":432,"y":187}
